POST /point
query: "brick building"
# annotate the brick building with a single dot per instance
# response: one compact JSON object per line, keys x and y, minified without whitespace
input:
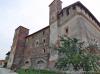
{"x":34,"y":50}
{"x":2,"y":62}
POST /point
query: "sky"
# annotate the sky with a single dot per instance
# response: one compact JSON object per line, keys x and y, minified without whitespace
{"x":32,"y":14}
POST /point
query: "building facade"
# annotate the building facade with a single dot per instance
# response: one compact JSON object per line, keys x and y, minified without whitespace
{"x":2,"y":62}
{"x":36,"y":51}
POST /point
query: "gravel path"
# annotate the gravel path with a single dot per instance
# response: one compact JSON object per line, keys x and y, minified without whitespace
{"x":6,"y":71}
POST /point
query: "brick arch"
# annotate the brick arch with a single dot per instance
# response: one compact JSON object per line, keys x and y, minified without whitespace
{"x":41,"y":63}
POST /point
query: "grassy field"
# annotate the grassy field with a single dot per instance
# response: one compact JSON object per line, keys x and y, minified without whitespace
{"x":32,"y":71}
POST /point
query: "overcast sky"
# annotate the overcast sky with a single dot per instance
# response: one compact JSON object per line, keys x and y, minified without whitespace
{"x":32,"y":14}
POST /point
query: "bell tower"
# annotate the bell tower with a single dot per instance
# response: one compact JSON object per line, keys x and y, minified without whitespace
{"x":54,"y":8}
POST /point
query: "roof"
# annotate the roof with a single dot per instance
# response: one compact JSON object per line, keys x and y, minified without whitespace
{"x":38,"y":31}
{"x":78,"y":3}
{"x":55,"y":1}
{"x":21,"y":27}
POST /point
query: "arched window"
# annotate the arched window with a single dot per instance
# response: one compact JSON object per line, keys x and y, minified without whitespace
{"x":26,"y":62}
{"x":41,"y":64}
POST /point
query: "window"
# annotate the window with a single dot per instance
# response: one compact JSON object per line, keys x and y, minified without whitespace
{"x":43,"y":32}
{"x":74,"y":7}
{"x":67,"y":12}
{"x":44,"y":41}
{"x":66,"y":31}
{"x":40,"y":62}
{"x":37,"y":43}
{"x":44,"y":50}
{"x":26,"y":62}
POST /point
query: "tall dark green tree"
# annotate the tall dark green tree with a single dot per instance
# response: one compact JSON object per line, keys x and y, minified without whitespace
{"x":74,"y":53}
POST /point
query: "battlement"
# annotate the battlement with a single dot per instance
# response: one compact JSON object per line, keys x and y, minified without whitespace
{"x":72,"y":10}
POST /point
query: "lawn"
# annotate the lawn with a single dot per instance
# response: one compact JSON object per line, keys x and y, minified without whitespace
{"x":32,"y":71}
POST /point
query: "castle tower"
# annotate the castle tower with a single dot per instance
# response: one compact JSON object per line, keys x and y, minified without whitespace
{"x":54,"y":8}
{"x":17,"y":48}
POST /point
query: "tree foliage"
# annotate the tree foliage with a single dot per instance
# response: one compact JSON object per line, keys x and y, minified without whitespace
{"x":73,"y":53}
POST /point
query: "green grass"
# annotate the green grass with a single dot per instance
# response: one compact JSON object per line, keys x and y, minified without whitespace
{"x":32,"y":71}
